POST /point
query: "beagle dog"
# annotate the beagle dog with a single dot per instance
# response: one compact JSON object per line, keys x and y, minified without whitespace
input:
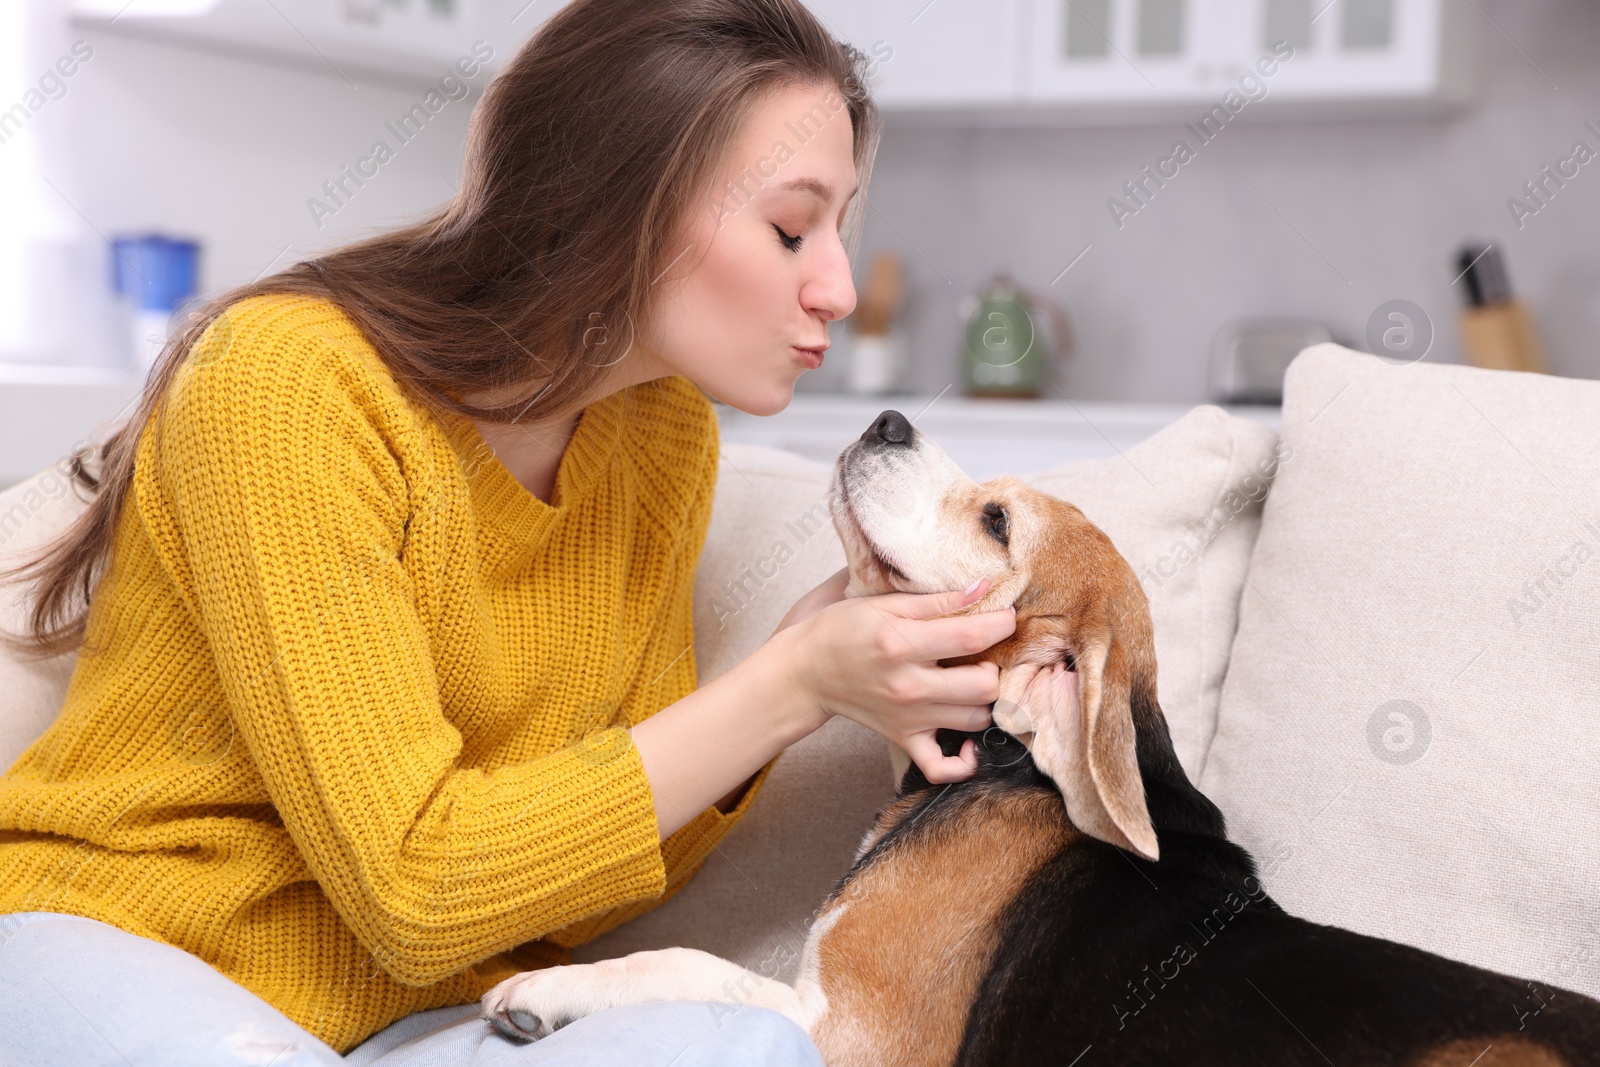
{"x":1077,"y":900}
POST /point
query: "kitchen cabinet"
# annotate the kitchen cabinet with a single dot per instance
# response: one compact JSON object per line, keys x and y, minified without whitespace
{"x":1133,"y":51}
{"x":404,"y":41}
{"x":951,"y":61}
{"x":1111,"y":61}
{"x":934,"y":53}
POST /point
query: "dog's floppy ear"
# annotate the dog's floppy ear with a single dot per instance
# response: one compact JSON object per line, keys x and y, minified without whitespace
{"x":1084,"y":740}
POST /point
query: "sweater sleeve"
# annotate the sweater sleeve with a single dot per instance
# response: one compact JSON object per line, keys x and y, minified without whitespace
{"x":669,"y":665}
{"x":276,"y":486}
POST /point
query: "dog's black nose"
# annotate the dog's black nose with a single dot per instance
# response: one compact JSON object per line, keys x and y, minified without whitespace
{"x":890,"y":428}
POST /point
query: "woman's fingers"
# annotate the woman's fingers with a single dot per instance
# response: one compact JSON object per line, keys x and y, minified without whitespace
{"x":905,"y":693}
{"x":970,"y":683}
{"x":935,"y":765}
{"x":925,"y":623}
{"x":927,"y":605}
{"x":961,"y":635}
{"x":958,"y":717}
{"x":932,"y":640}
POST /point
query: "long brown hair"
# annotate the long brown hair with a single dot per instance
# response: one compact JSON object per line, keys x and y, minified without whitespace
{"x":583,"y":156}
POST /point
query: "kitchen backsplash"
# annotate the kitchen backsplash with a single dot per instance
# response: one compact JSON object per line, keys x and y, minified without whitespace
{"x":1325,"y":220}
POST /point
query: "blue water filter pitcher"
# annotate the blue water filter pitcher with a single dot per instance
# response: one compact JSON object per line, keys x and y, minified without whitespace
{"x":154,"y":275}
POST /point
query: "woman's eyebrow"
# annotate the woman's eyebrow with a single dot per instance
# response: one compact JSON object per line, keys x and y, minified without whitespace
{"x":821,"y":190}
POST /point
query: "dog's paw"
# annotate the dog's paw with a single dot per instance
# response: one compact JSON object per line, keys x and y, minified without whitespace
{"x":534,"y":1004}
{"x":517,"y":1025}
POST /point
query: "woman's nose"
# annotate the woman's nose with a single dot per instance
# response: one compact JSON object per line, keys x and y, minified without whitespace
{"x":831,"y":293}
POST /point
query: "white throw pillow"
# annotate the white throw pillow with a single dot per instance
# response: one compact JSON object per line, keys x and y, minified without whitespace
{"x":1408,"y":729}
{"x":1183,"y":507}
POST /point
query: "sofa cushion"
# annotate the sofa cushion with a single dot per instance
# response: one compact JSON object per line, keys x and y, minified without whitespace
{"x":1183,"y":507}
{"x":1408,"y":726}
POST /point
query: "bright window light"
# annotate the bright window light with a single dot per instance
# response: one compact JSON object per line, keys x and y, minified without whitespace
{"x":16,"y":186}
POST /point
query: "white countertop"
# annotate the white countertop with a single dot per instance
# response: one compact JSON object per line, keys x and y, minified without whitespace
{"x":46,"y":411}
{"x":986,"y":437}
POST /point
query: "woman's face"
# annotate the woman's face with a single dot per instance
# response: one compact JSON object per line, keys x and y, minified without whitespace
{"x":745,"y":308}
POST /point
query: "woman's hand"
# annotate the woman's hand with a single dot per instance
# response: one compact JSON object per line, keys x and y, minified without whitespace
{"x":831,"y":591}
{"x":875,"y":660}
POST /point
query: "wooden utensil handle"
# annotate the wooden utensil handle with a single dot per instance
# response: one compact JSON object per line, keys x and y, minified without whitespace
{"x":1501,"y":336}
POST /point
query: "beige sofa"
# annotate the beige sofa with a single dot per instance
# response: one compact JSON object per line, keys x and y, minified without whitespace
{"x":1384,"y":669}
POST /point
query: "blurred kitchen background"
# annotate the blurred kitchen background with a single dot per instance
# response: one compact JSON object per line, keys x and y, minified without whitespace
{"x":1361,"y":170}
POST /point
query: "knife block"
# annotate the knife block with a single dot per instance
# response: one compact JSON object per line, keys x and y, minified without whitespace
{"x":1501,"y":336}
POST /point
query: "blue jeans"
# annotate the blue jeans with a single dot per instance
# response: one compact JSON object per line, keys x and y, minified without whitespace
{"x":80,"y":992}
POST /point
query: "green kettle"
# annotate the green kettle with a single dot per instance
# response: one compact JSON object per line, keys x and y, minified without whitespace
{"x":1012,"y":339}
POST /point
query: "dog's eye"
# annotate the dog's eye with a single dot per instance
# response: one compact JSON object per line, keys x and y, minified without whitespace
{"x":994,"y":519}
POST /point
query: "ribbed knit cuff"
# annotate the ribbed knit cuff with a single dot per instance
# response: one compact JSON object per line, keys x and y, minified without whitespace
{"x":615,"y":807}
{"x":684,"y":853}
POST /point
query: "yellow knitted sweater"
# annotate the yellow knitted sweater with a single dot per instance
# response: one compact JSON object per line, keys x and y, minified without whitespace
{"x":354,"y":729}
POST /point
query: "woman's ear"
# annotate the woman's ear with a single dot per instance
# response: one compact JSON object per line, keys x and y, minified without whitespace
{"x":1083,"y":739}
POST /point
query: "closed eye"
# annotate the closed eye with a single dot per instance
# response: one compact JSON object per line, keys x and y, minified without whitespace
{"x":995,"y":521}
{"x":792,"y":243}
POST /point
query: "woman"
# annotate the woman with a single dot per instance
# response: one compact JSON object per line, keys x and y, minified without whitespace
{"x":387,"y":688}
